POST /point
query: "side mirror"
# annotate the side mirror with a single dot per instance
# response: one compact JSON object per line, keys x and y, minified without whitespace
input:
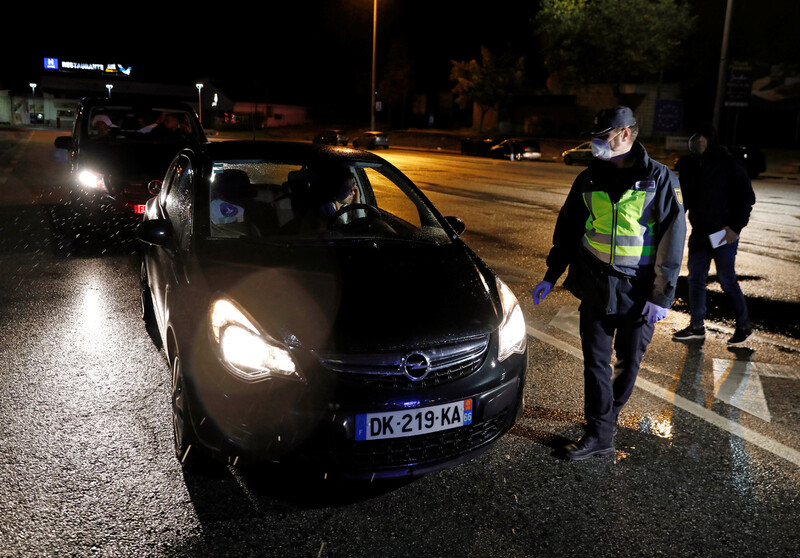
{"x":154,"y":231}
{"x":154,"y":187}
{"x":63,"y":142}
{"x":457,"y":224}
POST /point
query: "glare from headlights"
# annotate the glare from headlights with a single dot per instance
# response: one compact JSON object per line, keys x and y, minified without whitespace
{"x":92,"y":180}
{"x":512,"y":336}
{"x":246,"y":351}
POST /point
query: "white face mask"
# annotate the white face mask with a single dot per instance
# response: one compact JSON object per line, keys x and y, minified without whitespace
{"x":602,"y":148}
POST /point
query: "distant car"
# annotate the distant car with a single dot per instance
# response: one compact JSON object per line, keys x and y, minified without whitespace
{"x":331,"y":137}
{"x":516,"y":149}
{"x":582,"y":154}
{"x":371,"y":140}
{"x":370,"y":341}
{"x":479,"y":146}
{"x":118,"y":146}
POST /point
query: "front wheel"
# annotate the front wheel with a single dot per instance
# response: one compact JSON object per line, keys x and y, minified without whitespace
{"x":187,"y":449}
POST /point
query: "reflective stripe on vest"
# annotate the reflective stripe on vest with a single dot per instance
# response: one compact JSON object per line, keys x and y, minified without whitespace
{"x":621,"y":233}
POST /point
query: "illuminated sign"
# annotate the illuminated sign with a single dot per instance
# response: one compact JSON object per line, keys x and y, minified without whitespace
{"x":68,"y":66}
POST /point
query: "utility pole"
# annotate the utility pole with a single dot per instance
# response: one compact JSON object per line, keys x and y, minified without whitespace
{"x":722,"y":65}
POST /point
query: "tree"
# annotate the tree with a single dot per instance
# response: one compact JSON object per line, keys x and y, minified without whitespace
{"x":609,"y":41}
{"x":488,"y":84}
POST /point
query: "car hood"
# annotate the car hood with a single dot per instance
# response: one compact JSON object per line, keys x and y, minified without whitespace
{"x":358,"y":297}
{"x":146,"y":160}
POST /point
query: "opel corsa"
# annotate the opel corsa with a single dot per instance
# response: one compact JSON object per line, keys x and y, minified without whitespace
{"x":314,"y":306}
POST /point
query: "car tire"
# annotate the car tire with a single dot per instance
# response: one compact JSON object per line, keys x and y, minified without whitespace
{"x":187,"y":448}
{"x":567,"y":159}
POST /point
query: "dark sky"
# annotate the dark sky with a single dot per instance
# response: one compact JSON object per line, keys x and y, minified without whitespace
{"x":302,"y":51}
{"x":293,"y":48}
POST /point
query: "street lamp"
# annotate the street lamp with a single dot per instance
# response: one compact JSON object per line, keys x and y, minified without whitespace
{"x":199,"y":102}
{"x":374,"y":30}
{"x":109,"y":87}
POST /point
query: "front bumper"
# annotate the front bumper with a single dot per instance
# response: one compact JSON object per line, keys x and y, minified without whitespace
{"x":314,"y":421}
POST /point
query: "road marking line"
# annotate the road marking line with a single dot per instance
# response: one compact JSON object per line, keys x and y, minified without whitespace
{"x":711,"y":417}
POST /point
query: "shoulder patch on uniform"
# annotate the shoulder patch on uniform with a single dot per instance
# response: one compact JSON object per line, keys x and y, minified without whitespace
{"x":679,"y":195}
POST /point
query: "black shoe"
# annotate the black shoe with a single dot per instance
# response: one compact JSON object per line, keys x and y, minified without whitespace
{"x":740,"y":336}
{"x":587,"y":447}
{"x":689,"y":333}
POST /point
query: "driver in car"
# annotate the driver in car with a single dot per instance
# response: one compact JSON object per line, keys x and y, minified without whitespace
{"x":348,"y":193}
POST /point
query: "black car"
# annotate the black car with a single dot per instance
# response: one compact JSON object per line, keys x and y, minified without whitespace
{"x":117,"y":147}
{"x":366,"y":338}
{"x":516,"y":149}
{"x":331,"y":137}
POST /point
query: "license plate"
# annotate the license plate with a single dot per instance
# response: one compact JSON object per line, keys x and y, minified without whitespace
{"x":413,"y":422}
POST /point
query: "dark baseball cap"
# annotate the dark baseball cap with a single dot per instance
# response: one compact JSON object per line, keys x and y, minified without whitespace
{"x":609,"y":119}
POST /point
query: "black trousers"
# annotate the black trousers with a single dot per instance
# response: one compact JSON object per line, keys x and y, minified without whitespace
{"x":607,"y":389}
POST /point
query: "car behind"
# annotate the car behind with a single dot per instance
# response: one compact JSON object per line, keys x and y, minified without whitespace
{"x":367,"y":338}
{"x":117,"y":147}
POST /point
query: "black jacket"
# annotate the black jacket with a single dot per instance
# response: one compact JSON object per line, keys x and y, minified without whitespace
{"x":716,"y":191}
{"x":614,"y":289}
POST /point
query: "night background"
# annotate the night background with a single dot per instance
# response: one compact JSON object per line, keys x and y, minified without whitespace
{"x":318,"y":54}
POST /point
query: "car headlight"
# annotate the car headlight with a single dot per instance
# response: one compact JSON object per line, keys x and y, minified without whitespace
{"x":91,"y":180}
{"x":513,"y":336}
{"x":247,"y":352}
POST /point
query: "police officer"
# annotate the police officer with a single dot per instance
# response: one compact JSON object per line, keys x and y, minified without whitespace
{"x":621,"y":233}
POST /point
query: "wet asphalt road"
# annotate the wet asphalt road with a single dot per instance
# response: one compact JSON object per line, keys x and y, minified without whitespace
{"x":706,"y":465}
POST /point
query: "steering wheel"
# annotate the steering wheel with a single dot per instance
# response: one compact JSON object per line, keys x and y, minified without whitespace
{"x":352,"y":207}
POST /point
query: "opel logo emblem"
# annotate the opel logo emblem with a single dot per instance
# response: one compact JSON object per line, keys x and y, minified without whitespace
{"x":416,"y":366}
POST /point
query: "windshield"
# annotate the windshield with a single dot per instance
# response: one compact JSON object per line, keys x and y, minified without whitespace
{"x":285,"y":202}
{"x":137,"y":123}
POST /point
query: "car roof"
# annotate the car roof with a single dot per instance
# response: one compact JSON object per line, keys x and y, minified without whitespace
{"x":288,"y":150}
{"x":148,"y":101}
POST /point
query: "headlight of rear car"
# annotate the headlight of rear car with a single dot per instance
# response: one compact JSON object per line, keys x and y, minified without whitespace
{"x":513,"y":336}
{"x":247,"y":352}
{"x":91,"y":180}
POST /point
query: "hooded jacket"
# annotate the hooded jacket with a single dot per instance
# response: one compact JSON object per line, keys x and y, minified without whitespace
{"x":716,"y":188}
{"x":601,"y":282}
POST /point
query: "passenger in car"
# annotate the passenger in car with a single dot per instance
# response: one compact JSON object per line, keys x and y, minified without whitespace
{"x":102,"y":125}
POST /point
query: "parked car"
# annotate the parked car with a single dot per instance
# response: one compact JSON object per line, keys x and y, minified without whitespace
{"x":479,"y":146}
{"x":581,"y":154}
{"x":371,"y":140}
{"x":516,"y":149}
{"x":371,"y":341}
{"x":331,"y":137}
{"x":117,"y":147}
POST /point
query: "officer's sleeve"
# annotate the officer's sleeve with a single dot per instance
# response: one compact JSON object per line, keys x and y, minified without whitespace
{"x":570,"y":227}
{"x":671,"y":237}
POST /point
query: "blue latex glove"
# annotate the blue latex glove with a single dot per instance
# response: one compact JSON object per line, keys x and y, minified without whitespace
{"x":653,"y":312}
{"x":540,"y":291}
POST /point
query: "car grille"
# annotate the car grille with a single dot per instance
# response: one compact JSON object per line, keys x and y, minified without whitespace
{"x":387,"y":370}
{"x":399,"y":452}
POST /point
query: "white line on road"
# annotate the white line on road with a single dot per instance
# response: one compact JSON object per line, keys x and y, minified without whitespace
{"x":727,"y":425}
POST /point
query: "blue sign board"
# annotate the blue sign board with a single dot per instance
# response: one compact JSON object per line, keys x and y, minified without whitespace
{"x":669,"y":116}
